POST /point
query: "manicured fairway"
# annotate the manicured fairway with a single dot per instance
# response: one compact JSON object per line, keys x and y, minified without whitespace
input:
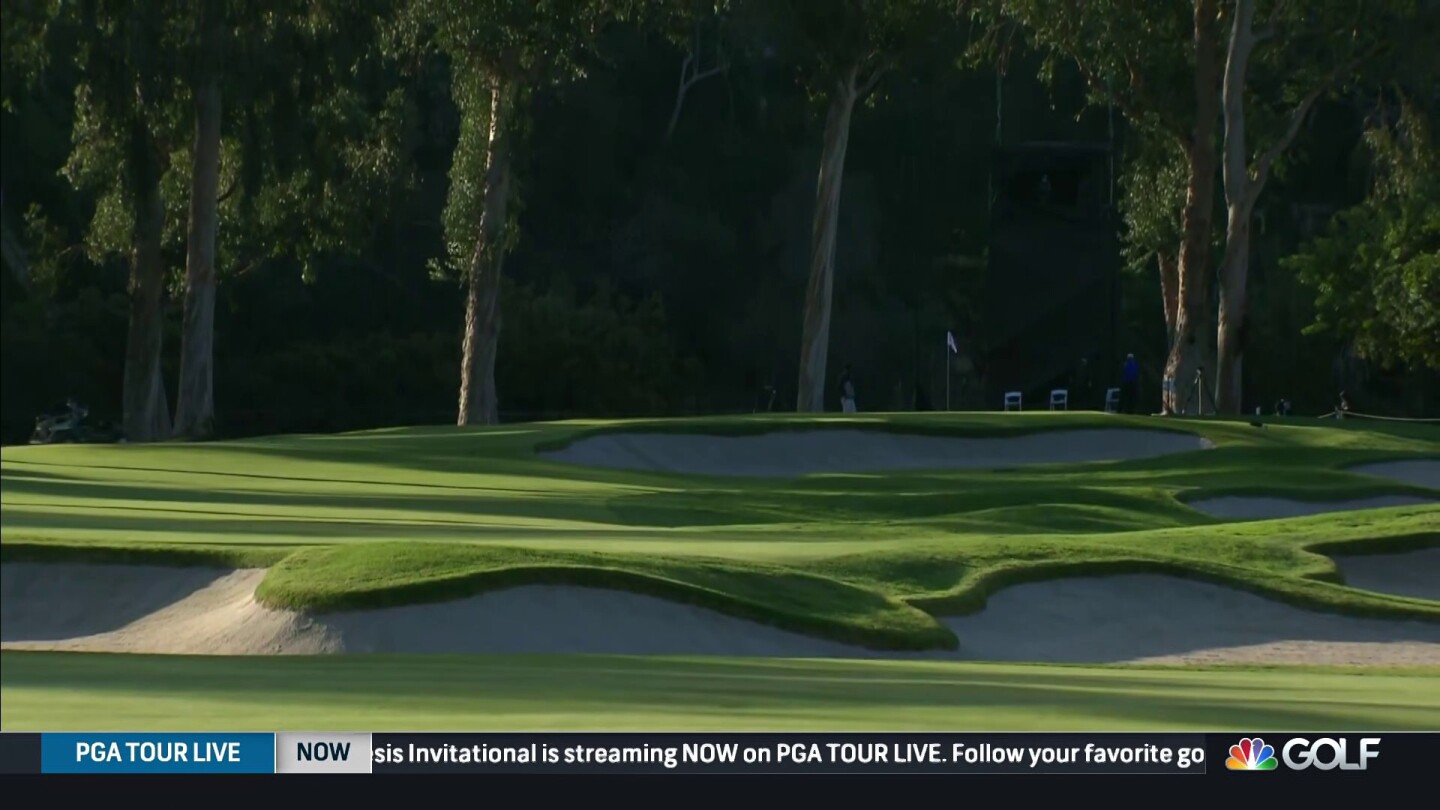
{"x":58,"y":691}
{"x":409,"y":517}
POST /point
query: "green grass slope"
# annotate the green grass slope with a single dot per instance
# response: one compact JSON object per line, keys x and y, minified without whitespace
{"x":59,"y":691}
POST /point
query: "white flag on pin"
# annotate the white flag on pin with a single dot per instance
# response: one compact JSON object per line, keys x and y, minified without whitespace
{"x":950,"y":341}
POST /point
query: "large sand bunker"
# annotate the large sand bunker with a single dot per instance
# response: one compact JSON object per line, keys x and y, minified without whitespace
{"x":791,"y":453}
{"x":1412,"y":573}
{"x":1159,"y":619}
{"x":1140,"y":618}
{"x":1424,"y":472}
{"x":1238,"y":507}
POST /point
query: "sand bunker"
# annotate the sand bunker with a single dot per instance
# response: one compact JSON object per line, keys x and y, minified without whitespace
{"x":792,"y":453}
{"x":102,"y":608}
{"x":1139,"y":618}
{"x":1146,"y":618}
{"x":155,"y":609}
{"x":1420,"y":472}
{"x":1413,"y":573}
{"x":1259,"y":508}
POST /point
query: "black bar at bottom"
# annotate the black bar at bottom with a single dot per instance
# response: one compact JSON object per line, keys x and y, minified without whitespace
{"x":19,"y":752}
{"x":738,"y":753}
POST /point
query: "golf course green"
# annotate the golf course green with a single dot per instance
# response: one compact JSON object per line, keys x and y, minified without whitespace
{"x":883,"y":561}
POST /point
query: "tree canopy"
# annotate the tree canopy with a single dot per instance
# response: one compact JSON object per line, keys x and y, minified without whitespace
{"x":1376,"y":268}
{"x":676,"y":196}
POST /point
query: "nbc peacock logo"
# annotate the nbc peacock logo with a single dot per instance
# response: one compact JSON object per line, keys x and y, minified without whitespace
{"x":1251,"y":754}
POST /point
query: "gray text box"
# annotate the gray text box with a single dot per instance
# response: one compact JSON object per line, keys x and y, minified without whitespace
{"x":322,"y":753}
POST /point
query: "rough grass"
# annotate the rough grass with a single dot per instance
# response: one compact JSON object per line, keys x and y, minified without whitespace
{"x":59,"y":691}
{"x":404,"y":515}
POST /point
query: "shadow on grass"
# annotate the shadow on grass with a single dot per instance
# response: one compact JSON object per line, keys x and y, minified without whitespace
{"x":338,"y":530}
{"x":481,"y":691}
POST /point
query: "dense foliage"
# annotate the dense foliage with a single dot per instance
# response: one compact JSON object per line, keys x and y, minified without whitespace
{"x":661,"y":235}
{"x":1376,"y":269}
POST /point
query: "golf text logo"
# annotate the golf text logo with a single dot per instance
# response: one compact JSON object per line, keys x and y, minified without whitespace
{"x":1328,"y":753}
{"x":1300,"y":753}
{"x":1251,"y":754}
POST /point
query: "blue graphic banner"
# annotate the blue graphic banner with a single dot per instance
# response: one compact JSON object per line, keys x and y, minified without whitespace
{"x":86,"y":752}
{"x":1235,"y":757}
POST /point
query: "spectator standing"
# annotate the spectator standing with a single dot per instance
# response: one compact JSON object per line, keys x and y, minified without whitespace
{"x":1130,"y":385}
{"x":847,"y":391}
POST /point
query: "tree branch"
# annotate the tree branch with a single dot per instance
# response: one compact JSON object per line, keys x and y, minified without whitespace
{"x":235,"y":184}
{"x":690,"y":74}
{"x":1126,"y":103}
{"x":1267,"y":159}
{"x":685,"y":66}
{"x":705,"y":74}
{"x":872,"y":80}
{"x":1297,"y":118}
{"x":255,"y":263}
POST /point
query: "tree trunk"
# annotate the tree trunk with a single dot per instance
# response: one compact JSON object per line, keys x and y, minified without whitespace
{"x":1169,"y":293}
{"x":1243,"y":185}
{"x":1231,"y":333}
{"x":479,"y":403}
{"x":1190,"y":349}
{"x":815,"y":336}
{"x":146,"y":414}
{"x":195,"y":400}
{"x":1239,"y":198}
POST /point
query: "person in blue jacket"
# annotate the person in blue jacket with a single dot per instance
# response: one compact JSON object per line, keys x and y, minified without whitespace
{"x":1130,"y":385}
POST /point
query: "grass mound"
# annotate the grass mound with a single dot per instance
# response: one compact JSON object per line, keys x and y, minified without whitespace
{"x":384,"y":574}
